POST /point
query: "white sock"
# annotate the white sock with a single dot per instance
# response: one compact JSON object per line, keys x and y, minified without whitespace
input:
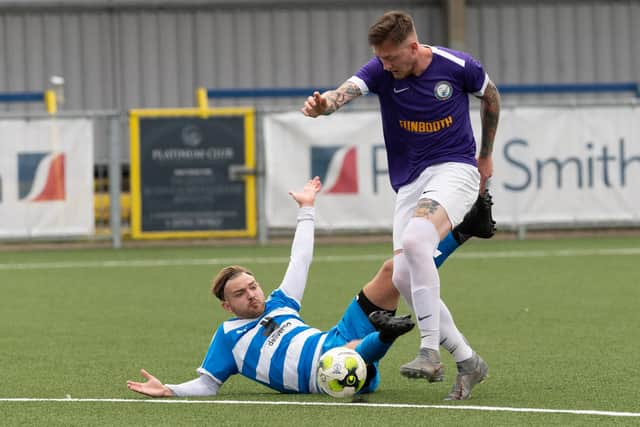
{"x":451,"y":338}
{"x":402,"y":277}
{"x":419,"y":243}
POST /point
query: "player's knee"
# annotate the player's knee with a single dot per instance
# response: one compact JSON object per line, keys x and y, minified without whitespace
{"x":409,"y":239}
{"x":401,"y":278}
{"x":352,"y":344}
{"x":417,"y":235}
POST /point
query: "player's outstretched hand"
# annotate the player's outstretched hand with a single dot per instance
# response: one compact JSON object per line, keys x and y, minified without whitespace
{"x":307,"y":196}
{"x":315,"y":105}
{"x":152,"y":387}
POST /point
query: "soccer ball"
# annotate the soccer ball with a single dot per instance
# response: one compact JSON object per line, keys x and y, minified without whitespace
{"x":341,"y":372}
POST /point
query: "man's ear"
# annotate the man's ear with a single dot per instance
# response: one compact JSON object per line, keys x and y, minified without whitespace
{"x":226,"y":306}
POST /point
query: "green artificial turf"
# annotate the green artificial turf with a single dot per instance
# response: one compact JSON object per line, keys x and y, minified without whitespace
{"x":557,"y":321}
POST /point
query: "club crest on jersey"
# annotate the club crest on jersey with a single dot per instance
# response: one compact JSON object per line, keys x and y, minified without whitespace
{"x":443,"y":90}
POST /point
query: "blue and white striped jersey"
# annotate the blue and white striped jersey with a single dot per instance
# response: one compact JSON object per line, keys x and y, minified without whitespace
{"x":277,"y":349}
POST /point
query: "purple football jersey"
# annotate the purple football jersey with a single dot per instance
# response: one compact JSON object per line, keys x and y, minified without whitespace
{"x":425,"y":119}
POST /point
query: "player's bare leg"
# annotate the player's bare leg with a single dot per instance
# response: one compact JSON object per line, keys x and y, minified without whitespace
{"x":380,"y":290}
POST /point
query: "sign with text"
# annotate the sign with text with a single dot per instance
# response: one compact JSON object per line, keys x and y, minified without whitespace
{"x":559,"y":165}
{"x":181,"y":180}
{"x":551,"y":166}
{"x":346,"y":150}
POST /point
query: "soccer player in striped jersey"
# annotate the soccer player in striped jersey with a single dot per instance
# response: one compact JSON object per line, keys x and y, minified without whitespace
{"x":268,"y":342}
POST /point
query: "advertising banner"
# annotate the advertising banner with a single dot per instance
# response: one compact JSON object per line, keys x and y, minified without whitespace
{"x":46,"y":178}
{"x":346,"y":151}
{"x":566,"y":165}
{"x":563,"y":166}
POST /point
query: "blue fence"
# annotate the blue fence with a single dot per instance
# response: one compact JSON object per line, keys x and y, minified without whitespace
{"x":519,"y":89}
{"x":22,"y":97}
{"x":49,"y":98}
{"x":571,"y":88}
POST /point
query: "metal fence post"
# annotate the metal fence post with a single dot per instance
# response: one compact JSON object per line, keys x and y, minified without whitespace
{"x":115,"y":181}
{"x":263,"y":233}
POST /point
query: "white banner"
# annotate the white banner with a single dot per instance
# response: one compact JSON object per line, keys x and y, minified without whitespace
{"x":346,"y":151}
{"x":551,"y":166}
{"x":566,"y":165}
{"x":46,"y":178}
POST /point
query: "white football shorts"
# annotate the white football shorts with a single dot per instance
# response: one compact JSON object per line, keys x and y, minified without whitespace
{"x":454,"y":185}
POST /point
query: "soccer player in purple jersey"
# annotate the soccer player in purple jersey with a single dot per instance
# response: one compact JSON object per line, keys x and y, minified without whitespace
{"x":423,"y":93}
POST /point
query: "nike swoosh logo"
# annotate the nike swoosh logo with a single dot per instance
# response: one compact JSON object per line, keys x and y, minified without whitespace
{"x":424,"y":317}
{"x":400,"y":90}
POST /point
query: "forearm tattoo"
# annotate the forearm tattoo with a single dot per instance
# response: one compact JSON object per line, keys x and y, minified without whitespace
{"x":339,"y":97}
{"x":489,"y":114}
{"x":426,"y":208}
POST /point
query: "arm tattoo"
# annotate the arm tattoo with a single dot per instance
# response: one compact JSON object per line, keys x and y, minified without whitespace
{"x":489,"y":115}
{"x":339,"y":97}
{"x":426,"y":208}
